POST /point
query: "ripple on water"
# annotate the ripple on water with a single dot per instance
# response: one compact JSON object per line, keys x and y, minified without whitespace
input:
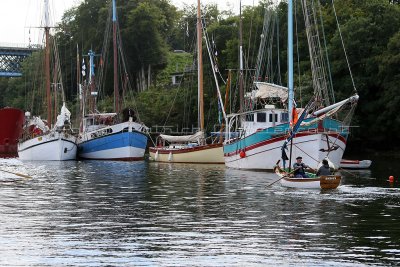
{"x":141,"y":214}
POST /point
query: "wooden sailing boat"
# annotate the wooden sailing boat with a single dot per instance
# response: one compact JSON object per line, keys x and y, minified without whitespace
{"x":103,"y":136}
{"x":255,"y":139}
{"x":42,"y":140}
{"x":190,"y":148}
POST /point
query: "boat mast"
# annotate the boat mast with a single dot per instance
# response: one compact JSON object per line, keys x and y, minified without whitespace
{"x":290,"y":73}
{"x":47,"y":60}
{"x":290,"y":60}
{"x":200,"y":69}
{"x":116,"y":94}
{"x":93,"y":94}
{"x":241,"y":91}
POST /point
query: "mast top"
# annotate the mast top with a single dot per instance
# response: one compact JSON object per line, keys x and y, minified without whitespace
{"x":46,"y":14}
{"x":114,"y":18}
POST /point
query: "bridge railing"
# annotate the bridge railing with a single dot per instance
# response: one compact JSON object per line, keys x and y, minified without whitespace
{"x":20,"y":46}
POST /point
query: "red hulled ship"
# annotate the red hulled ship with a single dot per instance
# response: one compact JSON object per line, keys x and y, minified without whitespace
{"x":11,"y":123}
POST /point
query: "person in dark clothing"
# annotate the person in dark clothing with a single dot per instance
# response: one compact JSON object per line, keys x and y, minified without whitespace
{"x":300,"y":168}
{"x":324,"y":169}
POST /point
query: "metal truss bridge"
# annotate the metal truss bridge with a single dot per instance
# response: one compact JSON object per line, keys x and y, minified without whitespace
{"x":11,"y":57}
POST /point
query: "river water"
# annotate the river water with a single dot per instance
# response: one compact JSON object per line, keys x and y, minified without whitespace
{"x":97,"y":213}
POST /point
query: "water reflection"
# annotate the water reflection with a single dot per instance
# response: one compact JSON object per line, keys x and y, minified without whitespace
{"x":93,"y":213}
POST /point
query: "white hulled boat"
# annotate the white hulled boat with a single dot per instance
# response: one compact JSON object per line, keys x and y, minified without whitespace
{"x":255,"y":137}
{"x":41,"y":141}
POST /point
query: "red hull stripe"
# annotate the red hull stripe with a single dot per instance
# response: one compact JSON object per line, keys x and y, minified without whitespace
{"x":346,"y":161}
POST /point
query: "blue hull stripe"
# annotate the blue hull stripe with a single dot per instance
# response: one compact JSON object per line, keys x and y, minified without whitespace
{"x":112,"y":141}
{"x":280,"y":130}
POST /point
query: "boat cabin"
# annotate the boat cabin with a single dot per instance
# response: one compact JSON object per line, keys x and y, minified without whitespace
{"x":265,"y":118}
{"x":93,"y":122}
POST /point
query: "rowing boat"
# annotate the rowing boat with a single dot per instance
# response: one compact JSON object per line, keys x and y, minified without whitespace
{"x":314,"y":182}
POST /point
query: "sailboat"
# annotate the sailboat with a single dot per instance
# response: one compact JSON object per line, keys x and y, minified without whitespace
{"x":103,"y":136}
{"x":255,"y":137}
{"x":41,"y":140}
{"x":190,"y":148}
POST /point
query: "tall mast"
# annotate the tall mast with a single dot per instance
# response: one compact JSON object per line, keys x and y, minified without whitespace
{"x":241,"y":91}
{"x":78,"y":87}
{"x":290,"y":59}
{"x":200,"y":69}
{"x":92,"y":97}
{"x":47,"y":60}
{"x":116,"y":93}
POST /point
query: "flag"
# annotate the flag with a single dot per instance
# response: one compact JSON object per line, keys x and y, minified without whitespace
{"x":83,"y":67}
{"x":214,"y":46}
{"x":295,"y":116}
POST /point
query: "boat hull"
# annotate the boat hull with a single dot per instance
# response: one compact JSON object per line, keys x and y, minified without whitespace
{"x":323,"y":182}
{"x":126,"y":146}
{"x":319,"y":182}
{"x":53,"y":146}
{"x":11,"y":121}
{"x":261,"y":150}
{"x":206,"y":154}
{"x":355,"y":164}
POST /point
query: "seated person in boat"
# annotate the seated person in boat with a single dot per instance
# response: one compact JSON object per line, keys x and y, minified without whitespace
{"x":300,"y":168}
{"x":324,"y":169}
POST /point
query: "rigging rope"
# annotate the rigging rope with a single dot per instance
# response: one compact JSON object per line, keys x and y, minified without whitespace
{"x":298,"y":55}
{"x":344,"y":49}
{"x":326,"y":55}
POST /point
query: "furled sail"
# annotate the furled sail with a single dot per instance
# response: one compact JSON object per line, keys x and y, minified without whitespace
{"x":184,"y":138}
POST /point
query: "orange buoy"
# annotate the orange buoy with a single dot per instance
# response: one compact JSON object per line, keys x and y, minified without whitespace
{"x":391,"y":179}
{"x":242,"y":154}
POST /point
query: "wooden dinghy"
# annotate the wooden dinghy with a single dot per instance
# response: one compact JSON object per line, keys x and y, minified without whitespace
{"x":314,"y":182}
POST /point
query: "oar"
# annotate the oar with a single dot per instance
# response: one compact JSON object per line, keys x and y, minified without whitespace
{"x":282,"y":176}
{"x":275,"y":181}
{"x":18,"y":174}
{"x":341,"y":169}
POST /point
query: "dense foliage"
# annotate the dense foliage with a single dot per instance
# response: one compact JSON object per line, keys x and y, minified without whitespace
{"x":152,"y":29}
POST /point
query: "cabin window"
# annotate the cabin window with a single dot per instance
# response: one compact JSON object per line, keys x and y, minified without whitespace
{"x":273,"y":117}
{"x":249,"y":117}
{"x":284,"y":117}
{"x":261,"y":117}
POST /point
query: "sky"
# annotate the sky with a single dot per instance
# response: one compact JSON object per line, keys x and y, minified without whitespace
{"x":20,"y":19}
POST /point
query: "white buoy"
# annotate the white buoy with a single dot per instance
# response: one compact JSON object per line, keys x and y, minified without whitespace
{"x":156,"y":156}
{"x":170,"y":156}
